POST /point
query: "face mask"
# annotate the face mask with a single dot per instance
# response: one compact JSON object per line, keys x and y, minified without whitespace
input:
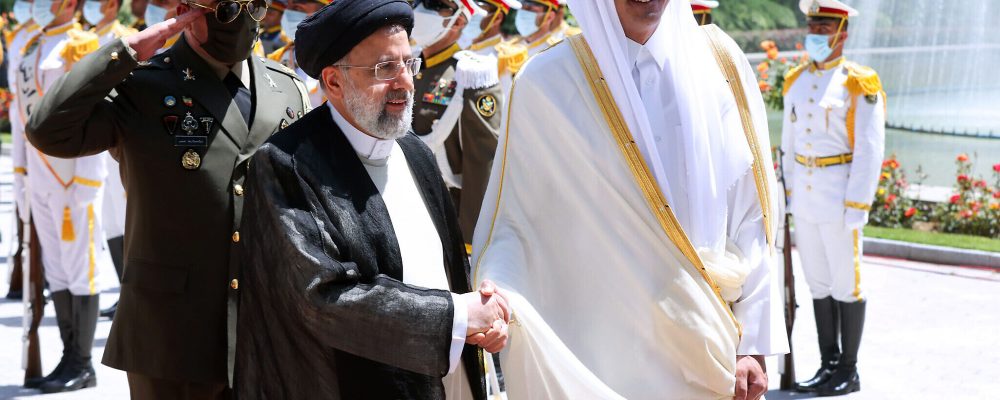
{"x":818,"y":47}
{"x":22,"y":11}
{"x":156,"y":14}
{"x":233,"y":42}
{"x":290,"y":22}
{"x":429,"y":26}
{"x":470,"y":32}
{"x":92,"y":12}
{"x":41,"y":12}
{"x":525,"y":22}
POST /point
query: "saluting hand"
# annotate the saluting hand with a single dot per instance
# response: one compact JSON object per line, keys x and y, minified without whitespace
{"x":151,"y":39}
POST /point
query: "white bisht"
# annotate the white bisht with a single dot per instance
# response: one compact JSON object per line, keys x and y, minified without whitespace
{"x":615,"y":293}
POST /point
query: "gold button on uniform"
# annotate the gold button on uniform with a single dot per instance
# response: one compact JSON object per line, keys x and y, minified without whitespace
{"x":235,"y":284}
{"x":238,"y":189}
{"x":114,"y":56}
{"x":236,"y":237}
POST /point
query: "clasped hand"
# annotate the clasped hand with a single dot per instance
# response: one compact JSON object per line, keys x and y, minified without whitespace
{"x":489,"y":314}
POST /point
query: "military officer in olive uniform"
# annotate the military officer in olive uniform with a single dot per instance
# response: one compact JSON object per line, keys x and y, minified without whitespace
{"x":457,"y":105}
{"x":183,"y":125}
{"x":833,"y":136}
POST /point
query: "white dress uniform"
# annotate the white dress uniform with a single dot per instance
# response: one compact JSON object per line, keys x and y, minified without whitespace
{"x":833,"y":134}
{"x":16,"y":40}
{"x":66,"y":194}
{"x":114,"y":190}
{"x":286,"y":56}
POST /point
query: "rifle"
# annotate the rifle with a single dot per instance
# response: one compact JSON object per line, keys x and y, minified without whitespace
{"x":15,"y":259}
{"x":788,"y":370}
{"x":34,"y":307}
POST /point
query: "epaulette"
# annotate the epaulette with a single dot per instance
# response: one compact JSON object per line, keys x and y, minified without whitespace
{"x":9,"y":35}
{"x":474,"y":71}
{"x":862,"y":80}
{"x":278,"y":53}
{"x":79,"y":43}
{"x":278,"y":67}
{"x":792,"y":75}
{"x":121,"y":31}
{"x":572,"y":31}
{"x":511,"y":56}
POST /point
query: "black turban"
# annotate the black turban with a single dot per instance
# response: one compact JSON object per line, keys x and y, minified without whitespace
{"x":330,"y":33}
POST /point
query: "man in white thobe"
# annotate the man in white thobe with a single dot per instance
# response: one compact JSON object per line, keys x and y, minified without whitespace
{"x":632,"y":226}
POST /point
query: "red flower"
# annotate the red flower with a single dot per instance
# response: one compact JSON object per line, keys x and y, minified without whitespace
{"x":885,"y":206}
{"x":965,"y":214}
{"x":980,"y":183}
{"x":963,"y":178}
{"x":996,"y":194}
{"x":891,"y":198}
{"x":974,"y":205}
{"x":962,"y":157}
{"x":955,"y":199}
{"x":996,"y":167}
{"x":910,"y":212}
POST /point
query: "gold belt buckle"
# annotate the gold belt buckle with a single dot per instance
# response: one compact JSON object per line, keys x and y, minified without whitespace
{"x":811,"y":162}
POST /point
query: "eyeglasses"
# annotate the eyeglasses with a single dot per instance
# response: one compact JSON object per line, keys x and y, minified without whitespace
{"x":226,"y":11}
{"x":389,"y":70}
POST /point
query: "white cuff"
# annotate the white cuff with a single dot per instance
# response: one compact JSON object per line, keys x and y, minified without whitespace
{"x":458,"y":329}
{"x":130,"y":50}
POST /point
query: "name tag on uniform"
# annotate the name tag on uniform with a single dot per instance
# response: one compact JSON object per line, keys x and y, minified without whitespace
{"x":190,"y":141}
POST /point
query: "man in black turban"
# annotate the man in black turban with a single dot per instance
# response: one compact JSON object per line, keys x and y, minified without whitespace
{"x":355,"y":282}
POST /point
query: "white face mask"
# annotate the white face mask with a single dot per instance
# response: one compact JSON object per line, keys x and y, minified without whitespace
{"x":525,"y":22}
{"x":471,"y":31}
{"x":429,"y":26}
{"x":41,"y":12}
{"x":22,"y":11}
{"x":290,"y":20}
{"x":92,"y":12}
{"x":155,"y":14}
{"x":818,"y":47}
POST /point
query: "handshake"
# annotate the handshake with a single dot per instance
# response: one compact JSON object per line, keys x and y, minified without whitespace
{"x":489,"y":313}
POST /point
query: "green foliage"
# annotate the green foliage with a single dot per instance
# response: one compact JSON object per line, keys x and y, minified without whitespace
{"x":748,"y":15}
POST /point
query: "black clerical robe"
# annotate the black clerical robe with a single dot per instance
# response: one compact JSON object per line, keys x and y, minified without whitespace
{"x":324,"y":313}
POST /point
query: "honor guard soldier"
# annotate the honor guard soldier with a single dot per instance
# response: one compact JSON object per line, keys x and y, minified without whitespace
{"x":457,"y":109}
{"x":833,"y":137}
{"x":702,"y":10}
{"x":183,"y":125}
{"x":488,"y":40}
{"x":295,"y":12}
{"x":66,"y":198}
{"x":103,"y":19}
{"x":16,"y":40}
{"x":542,"y":25}
{"x":271,"y":35}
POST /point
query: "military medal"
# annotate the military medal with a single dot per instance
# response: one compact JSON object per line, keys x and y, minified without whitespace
{"x":188,"y":74}
{"x":189,"y":124}
{"x":283,"y":124}
{"x":170,"y":122}
{"x":169,"y":101}
{"x":187,"y":101}
{"x":289,"y":112}
{"x":191,"y":160}
{"x":207,"y":123}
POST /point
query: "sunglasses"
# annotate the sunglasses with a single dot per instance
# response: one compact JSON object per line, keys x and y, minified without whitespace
{"x":226,"y":11}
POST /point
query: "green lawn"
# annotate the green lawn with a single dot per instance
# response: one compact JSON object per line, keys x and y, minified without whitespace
{"x":5,"y":137}
{"x":935,"y":238}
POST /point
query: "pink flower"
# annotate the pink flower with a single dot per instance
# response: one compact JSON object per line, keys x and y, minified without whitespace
{"x":980,"y":183}
{"x":955,"y":199}
{"x":996,"y":167}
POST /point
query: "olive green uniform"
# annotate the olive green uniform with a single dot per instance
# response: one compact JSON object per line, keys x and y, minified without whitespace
{"x":469,"y":149}
{"x":184,"y":149}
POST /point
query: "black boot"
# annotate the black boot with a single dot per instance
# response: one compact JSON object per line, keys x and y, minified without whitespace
{"x":63,"y":302}
{"x":116,"y":247}
{"x":79,"y":372}
{"x":827,"y":329}
{"x":846,"y":379}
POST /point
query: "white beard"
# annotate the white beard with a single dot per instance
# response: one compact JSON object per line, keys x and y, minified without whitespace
{"x":372,"y":117}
